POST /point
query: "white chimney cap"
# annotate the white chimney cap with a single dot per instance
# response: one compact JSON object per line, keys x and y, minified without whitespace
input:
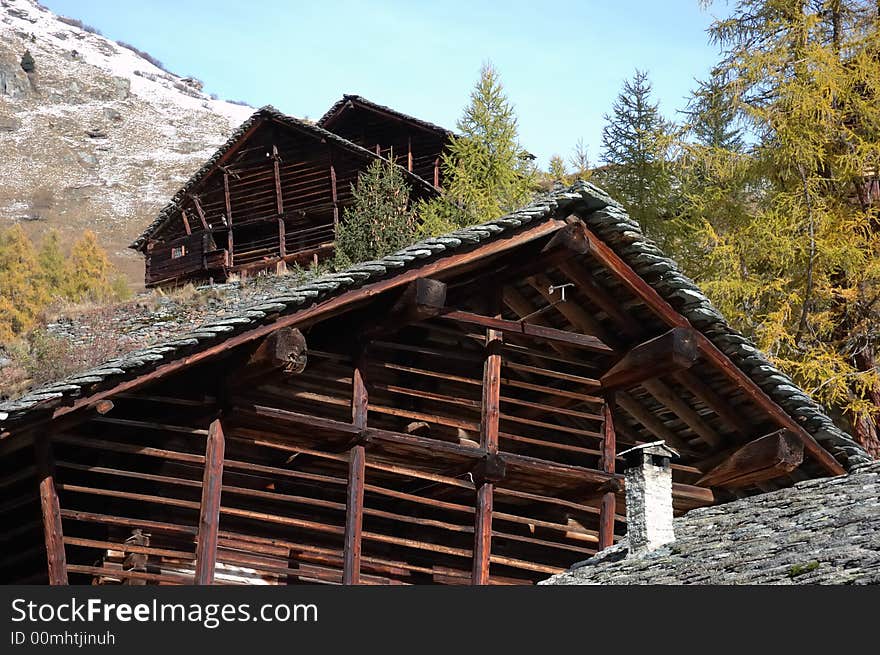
{"x":654,"y":448}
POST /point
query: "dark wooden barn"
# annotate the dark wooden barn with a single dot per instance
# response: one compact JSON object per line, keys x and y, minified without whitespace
{"x":271,"y":196}
{"x":448,"y":414}
{"x":412,"y":142}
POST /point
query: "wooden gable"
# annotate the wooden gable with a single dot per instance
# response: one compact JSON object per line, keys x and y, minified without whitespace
{"x":451,"y":414}
{"x":415,"y":144}
{"x":274,"y":196}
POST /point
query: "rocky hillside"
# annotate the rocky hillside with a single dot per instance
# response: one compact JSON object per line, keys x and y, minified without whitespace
{"x":92,"y":134}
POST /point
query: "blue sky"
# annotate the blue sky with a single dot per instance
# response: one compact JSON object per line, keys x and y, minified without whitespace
{"x":562,"y":63}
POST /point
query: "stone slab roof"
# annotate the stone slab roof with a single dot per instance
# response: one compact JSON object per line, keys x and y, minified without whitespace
{"x":360,"y":100}
{"x":603,"y":215}
{"x":824,"y":531}
{"x":267,"y":112}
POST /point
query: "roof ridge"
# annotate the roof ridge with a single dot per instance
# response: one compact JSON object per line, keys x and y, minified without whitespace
{"x":346,"y":97}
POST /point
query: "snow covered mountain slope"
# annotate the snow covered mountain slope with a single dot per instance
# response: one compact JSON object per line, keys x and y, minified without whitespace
{"x":93,"y":135}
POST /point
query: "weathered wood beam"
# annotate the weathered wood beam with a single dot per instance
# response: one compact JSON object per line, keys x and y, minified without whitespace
{"x":570,"y":238}
{"x":735,"y":421}
{"x":652,"y":424}
{"x":282,"y":238}
{"x":437,"y":173}
{"x":661,"y":308}
{"x":609,"y":499}
{"x":285,"y":349}
{"x":334,"y":197}
{"x":185,"y":222}
{"x":409,"y":155}
{"x":585,"y":341}
{"x":276,"y":162}
{"x":200,"y":212}
{"x":422,"y":299}
{"x":354,"y":504}
{"x":53,"y":535}
{"x":601,"y":298}
{"x":573,"y":313}
{"x":685,"y":412}
{"x":209,"y":508}
{"x":673,"y":351}
{"x":758,"y":461}
{"x":229,"y":240}
{"x":490,"y":414}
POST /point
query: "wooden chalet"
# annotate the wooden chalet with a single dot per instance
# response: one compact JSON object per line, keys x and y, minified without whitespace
{"x":271,"y":196}
{"x":448,"y":414}
{"x":413,"y":143}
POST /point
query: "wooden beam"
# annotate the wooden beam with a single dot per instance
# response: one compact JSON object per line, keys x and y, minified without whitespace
{"x":573,"y":313}
{"x":53,"y":534}
{"x":601,"y":298}
{"x":661,"y":308}
{"x":585,"y":341}
{"x":409,"y":155}
{"x":422,"y":299}
{"x":284,"y":349}
{"x":673,"y":351}
{"x":437,"y":173}
{"x":229,"y":240}
{"x":652,"y":424}
{"x":570,"y":238}
{"x":685,"y":412}
{"x":609,"y":453}
{"x":276,"y":161}
{"x":490,"y":413}
{"x":734,"y":420}
{"x":758,"y":461}
{"x":334,"y":197}
{"x":282,"y":238}
{"x":209,"y":509}
{"x":354,"y":504}
{"x":200,"y":212}
{"x":185,"y":222}
{"x":321,"y":311}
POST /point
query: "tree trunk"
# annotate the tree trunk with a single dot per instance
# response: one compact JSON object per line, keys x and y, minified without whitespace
{"x":864,"y":428}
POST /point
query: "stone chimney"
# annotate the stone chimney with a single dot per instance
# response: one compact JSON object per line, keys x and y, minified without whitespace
{"x":648,"y":496}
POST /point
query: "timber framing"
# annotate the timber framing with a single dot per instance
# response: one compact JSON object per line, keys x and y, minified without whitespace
{"x":271,"y":196}
{"x":441,"y":415}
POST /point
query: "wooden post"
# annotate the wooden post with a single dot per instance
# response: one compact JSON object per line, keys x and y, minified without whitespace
{"x":282,"y":236}
{"x":51,"y":509}
{"x":489,"y":417}
{"x":354,"y":504}
{"x":209,"y":512}
{"x":333,"y":195}
{"x":228,"y":216}
{"x":279,"y":200}
{"x":185,"y":222}
{"x":437,"y":173}
{"x":609,"y":453}
{"x":409,"y":158}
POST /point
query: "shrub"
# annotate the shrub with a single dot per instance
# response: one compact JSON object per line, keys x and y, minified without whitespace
{"x":144,"y":55}
{"x":78,"y":23}
{"x":28,"y":65}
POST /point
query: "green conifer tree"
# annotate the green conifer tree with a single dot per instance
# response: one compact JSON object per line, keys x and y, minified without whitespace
{"x":53,"y":265}
{"x":22,"y":292}
{"x":636,"y":141}
{"x":380,"y":219}
{"x":486,"y":171}
{"x":90,"y":271}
